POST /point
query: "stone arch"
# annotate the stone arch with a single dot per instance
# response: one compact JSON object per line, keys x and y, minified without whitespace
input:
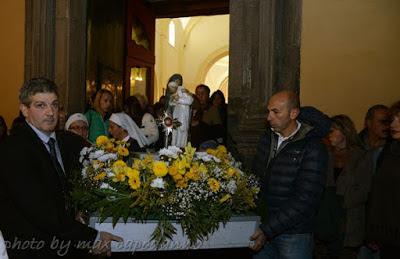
{"x":210,"y":61}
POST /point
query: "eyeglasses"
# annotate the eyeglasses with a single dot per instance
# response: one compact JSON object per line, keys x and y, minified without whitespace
{"x":79,"y":128}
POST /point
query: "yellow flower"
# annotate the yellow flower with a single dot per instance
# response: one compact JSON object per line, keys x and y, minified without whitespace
{"x":100,"y":176}
{"x":102,"y":140}
{"x":148,"y":161}
{"x":119,"y":177}
{"x":211,"y":151}
{"x":173,"y":169}
{"x":193,"y":174}
{"x":134,"y":179}
{"x":137,"y":164}
{"x":213,"y":184}
{"x":225,"y":198}
{"x":134,"y":183}
{"x":132,"y":173}
{"x":231,"y":172}
{"x":189,"y":152}
{"x":182,"y":164}
{"x":122,"y":151}
{"x":109,"y":147}
{"x":221,"y":149}
{"x":182,"y":184}
{"x":203,"y":169}
{"x":177,"y":177}
{"x":119,"y":166}
{"x":160,"y":168}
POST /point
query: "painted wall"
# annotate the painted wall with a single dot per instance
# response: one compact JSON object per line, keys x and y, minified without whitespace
{"x":12,"y":12}
{"x":198,"y":46}
{"x":350,"y":57}
{"x":167,"y":56}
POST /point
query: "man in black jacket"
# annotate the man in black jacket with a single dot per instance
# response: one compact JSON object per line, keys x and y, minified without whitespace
{"x":36,"y":216}
{"x":291,"y":161}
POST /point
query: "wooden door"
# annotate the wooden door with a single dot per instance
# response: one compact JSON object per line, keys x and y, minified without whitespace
{"x":140,"y":47}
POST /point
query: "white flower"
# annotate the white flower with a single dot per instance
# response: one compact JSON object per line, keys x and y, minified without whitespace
{"x":106,"y":186}
{"x":157,"y":183}
{"x":107,"y":157}
{"x":171,"y":151}
{"x":84,"y":174}
{"x":204,"y":156}
{"x":96,"y":154}
{"x":231,"y":186}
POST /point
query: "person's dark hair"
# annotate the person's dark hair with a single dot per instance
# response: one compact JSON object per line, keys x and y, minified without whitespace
{"x":220,"y":93}
{"x":133,"y":108}
{"x":3,"y":129}
{"x":177,"y":78}
{"x":34,"y":86}
{"x":395,"y":108}
{"x":346,"y":126}
{"x":205,"y":87}
{"x":370,"y":113}
{"x":17,"y":123}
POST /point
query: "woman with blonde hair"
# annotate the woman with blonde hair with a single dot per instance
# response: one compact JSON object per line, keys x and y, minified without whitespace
{"x":98,"y":115}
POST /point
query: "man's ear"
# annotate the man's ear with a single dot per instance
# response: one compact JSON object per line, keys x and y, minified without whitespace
{"x":24,"y":109}
{"x":294,"y":113}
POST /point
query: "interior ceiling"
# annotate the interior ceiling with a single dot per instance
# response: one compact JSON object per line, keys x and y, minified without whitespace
{"x":185,"y":8}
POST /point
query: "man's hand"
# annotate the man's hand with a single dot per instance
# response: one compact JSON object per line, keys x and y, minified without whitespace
{"x":259,"y":239}
{"x":103,"y":246}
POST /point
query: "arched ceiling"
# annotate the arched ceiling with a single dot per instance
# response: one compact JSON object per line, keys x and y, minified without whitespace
{"x":184,"y":8}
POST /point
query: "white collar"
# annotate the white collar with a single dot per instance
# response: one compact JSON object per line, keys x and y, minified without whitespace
{"x":43,"y":136}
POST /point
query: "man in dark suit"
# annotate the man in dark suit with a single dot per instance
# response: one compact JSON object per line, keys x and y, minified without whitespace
{"x":36,"y":217}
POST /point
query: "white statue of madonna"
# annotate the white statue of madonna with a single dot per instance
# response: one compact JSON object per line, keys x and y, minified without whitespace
{"x":179,"y":101}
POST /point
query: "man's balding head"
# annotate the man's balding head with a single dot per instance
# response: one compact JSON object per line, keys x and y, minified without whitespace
{"x":283,"y":109}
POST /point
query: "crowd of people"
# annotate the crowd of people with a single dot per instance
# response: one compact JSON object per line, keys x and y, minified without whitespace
{"x":326,"y":190}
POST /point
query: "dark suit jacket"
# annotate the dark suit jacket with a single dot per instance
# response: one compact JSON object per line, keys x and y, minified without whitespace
{"x":31,"y":200}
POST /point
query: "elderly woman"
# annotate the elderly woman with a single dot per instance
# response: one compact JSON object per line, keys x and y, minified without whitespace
{"x":383,"y":222}
{"x":123,"y":128}
{"x":78,"y":124}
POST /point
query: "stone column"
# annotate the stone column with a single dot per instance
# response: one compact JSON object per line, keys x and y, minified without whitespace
{"x":39,"y":38}
{"x":264,"y":57}
{"x":55,"y":47}
{"x":70,"y":53}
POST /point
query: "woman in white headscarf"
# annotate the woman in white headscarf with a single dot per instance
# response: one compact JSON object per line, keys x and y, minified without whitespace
{"x":78,"y":124}
{"x":3,"y":251}
{"x":123,"y":128}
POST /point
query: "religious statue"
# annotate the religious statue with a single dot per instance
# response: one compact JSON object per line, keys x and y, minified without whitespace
{"x":178,"y":104}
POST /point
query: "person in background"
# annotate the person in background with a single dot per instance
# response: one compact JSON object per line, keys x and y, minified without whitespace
{"x":78,"y":124}
{"x":291,"y":161}
{"x":98,"y":115}
{"x":377,"y":127}
{"x":218,"y":103}
{"x":3,"y":129}
{"x":144,"y":102}
{"x":146,"y":121}
{"x":203,"y":94}
{"x":123,"y":128}
{"x":62,"y":117}
{"x":17,"y":124}
{"x":340,"y":227}
{"x":383,"y":212}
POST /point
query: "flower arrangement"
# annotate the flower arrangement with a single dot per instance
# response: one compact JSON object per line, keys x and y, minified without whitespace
{"x":198,"y":189}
